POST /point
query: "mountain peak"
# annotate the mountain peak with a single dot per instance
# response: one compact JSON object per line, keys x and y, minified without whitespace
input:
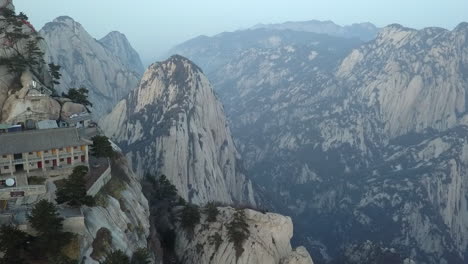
{"x":119,"y":44}
{"x":180,"y":63}
{"x":64,"y":19}
{"x":463,"y":26}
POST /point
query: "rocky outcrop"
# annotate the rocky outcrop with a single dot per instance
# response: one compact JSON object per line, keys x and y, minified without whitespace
{"x":268,"y":242}
{"x":87,"y":63}
{"x":173,"y":124}
{"x":363,"y":31}
{"x":123,"y":212}
{"x":120,"y":46}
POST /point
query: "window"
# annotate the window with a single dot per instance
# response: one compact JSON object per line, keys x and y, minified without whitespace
{"x":62,"y":160}
{"x":4,"y":156}
{"x":47,"y":161}
{"x":30,"y":153}
{"x":46,"y":151}
{"x":75,"y":147}
{"x":6,"y":167}
{"x":76,"y":158}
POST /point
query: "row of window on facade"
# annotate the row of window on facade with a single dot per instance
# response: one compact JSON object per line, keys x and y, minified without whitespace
{"x":38,"y":153}
{"x":39,"y":165}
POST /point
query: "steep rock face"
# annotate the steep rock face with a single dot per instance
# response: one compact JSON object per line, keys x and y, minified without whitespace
{"x":366,"y":145}
{"x":88,"y":63}
{"x":268,"y":242}
{"x":126,"y":217}
{"x":410,"y":71}
{"x":16,"y":99}
{"x":363,"y":31}
{"x":173,"y":124}
{"x":120,"y":46}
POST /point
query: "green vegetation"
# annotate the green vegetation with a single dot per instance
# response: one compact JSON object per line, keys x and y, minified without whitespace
{"x":54,"y":71}
{"x":101,"y":198}
{"x":212,"y":211}
{"x":114,"y":188}
{"x":45,"y":219}
{"x":116,"y":257}
{"x":238,"y":231}
{"x":161,"y":190}
{"x":13,"y":243}
{"x":47,"y":247}
{"x":101,"y":244}
{"x":141,"y":256}
{"x":35,"y":180}
{"x":216,"y":240}
{"x":79,"y":96}
{"x":166,"y":189}
{"x":102,"y":147}
{"x":73,"y":190}
{"x":190,"y":217}
{"x":21,"y":42}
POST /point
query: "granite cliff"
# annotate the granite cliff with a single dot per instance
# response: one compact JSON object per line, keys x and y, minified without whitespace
{"x":173,"y":124}
{"x":104,"y":69}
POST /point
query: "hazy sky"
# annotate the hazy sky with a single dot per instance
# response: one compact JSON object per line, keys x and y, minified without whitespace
{"x":154,"y":26}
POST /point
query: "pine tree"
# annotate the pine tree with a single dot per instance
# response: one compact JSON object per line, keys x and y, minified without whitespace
{"x":116,"y":257}
{"x":73,"y":191}
{"x":141,"y":256}
{"x":54,"y":71}
{"x":13,"y":243}
{"x":79,"y":96}
{"x":45,"y":219}
{"x":102,"y":147}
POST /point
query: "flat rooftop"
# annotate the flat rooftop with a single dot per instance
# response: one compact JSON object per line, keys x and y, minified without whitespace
{"x":40,"y":140}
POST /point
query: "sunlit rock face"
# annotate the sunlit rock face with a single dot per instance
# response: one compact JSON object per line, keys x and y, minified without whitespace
{"x":357,"y":141}
{"x":125,"y":217}
{"x":268,"y":242}
{"x":173,"y":124}
{"x":87,"y":63}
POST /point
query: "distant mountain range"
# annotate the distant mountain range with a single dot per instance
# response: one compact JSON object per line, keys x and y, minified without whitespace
{"x":362,"y":31}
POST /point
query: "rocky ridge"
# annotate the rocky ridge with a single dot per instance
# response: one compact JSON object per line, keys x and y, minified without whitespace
{"x":363,"y":31}
{"x":88,"y":63}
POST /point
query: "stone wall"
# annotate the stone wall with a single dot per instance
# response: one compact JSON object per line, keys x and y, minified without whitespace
{"x":96,"y":187}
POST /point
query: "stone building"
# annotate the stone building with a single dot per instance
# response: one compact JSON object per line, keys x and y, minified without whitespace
{"x":40,"y":153}
{"x":42,"y":150}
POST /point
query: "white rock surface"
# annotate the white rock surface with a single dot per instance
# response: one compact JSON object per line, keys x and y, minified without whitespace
{"x":268,"y":243}
{"x":127,"y":218}
{"x":88,"y":63}
{"x":173,"y":124}
{"x":120,"y":46}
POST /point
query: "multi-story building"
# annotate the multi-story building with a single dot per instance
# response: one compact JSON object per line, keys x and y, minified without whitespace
{"x":35,"y":152}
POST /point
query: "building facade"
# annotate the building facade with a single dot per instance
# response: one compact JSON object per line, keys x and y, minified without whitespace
{"x":34,"y":153}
